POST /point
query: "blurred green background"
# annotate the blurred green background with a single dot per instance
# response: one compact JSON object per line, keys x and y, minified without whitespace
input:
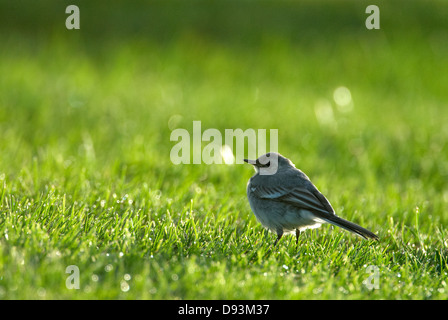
{"x":251,"y":64}
{"x":87,"y":114}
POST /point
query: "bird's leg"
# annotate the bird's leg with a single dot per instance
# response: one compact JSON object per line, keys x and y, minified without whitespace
{"x":297,"y":236}
{"x":279,"y":236}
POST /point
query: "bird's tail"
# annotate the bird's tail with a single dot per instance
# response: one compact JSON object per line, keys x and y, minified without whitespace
{"x":352,"y":227}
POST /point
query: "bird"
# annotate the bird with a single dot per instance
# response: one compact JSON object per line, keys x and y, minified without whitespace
{"x":284,"y":200}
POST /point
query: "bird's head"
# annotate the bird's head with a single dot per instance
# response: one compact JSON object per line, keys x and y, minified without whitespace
{"x":270,"y":163}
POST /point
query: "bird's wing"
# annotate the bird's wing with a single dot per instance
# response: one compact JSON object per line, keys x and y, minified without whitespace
{"x":304,"y":197}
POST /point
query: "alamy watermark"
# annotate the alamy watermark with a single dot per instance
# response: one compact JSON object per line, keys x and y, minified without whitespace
{"x":373,"y":20}
{"x":73,"y":20}
{"x":373,"y":280}
{"x":72,"y":281}
{"x":189,"y":147}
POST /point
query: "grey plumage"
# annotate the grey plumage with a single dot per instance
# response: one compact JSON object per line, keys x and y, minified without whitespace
{"x":284,"y":200}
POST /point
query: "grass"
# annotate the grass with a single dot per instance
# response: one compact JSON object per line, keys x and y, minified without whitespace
{"x":86,"y":178}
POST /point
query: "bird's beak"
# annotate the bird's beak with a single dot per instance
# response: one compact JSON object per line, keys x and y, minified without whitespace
{"x":252,"y":162}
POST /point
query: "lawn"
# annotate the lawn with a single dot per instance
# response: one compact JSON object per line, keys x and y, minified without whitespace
{"x":89,"y":195}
